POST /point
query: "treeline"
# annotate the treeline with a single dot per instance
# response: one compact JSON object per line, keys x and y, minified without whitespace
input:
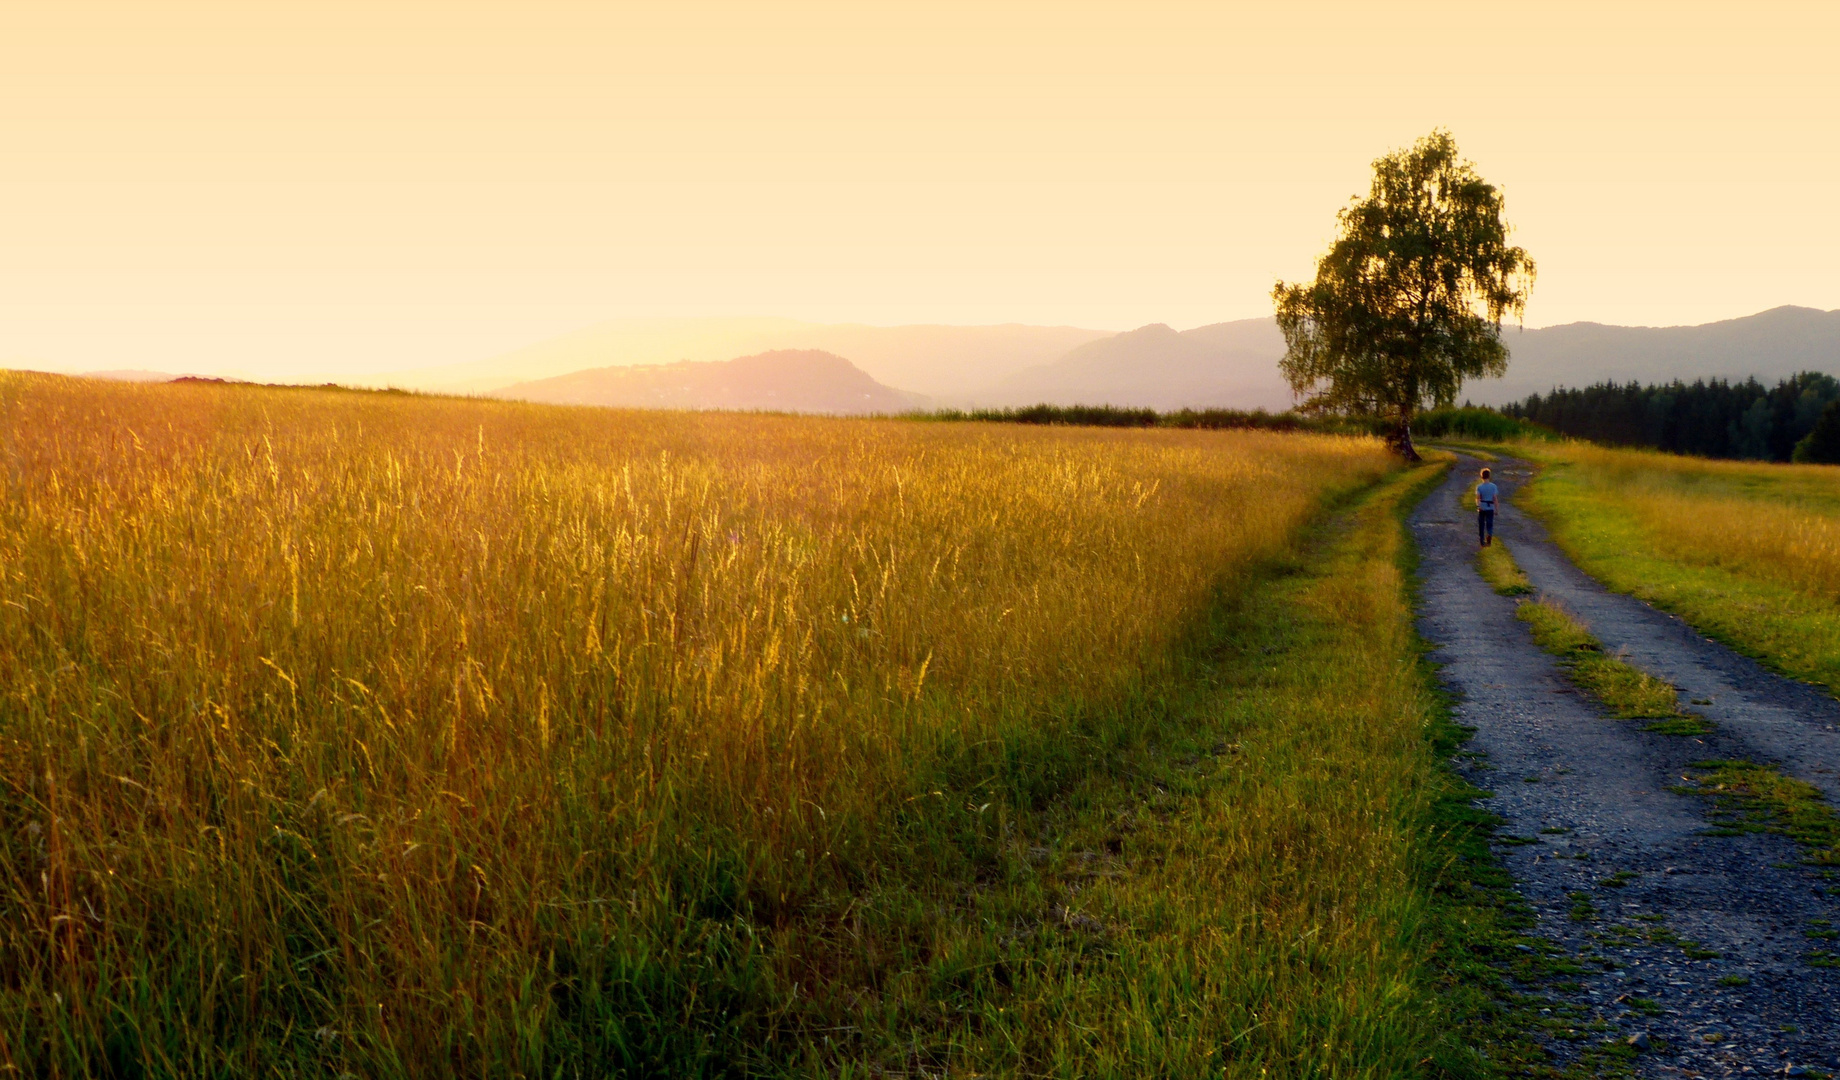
{"x":1466,"y":422}
{"x":1796,"y":420}
{"x":1117,"y":416}
{"x":1712,"y":418}
{"x":1471,"y":422}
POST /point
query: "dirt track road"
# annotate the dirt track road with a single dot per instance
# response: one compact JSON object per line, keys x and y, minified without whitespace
{"x":1630,"y":887}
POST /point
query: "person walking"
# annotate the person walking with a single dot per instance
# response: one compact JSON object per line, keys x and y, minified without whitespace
{"x":1486,"y":495}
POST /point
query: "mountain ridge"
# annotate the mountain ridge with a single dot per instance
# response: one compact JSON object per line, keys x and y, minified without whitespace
{"x":1221,"y":365}
{"x":936,"y":360}
{"x":1771,"y":345}
{"x":1234,"y":364}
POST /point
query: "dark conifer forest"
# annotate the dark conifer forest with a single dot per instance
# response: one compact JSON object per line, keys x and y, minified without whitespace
{"x":1712,"y":418}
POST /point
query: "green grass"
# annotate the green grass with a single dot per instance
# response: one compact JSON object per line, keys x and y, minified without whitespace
{"x":1747,"y":797}
{"x":1747,"y":553}
{"x":1686,"y":724}
{"x":1117,"y":416}
{"x":1582,"y":908}
{"x":1486,"y":425}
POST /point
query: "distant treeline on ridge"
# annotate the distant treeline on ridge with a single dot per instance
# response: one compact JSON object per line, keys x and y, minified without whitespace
{"x":1125,"y":416}
{"x":1713,"y":418}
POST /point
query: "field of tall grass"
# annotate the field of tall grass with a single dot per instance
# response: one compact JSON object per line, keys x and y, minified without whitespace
{"x":363,"y":733}
{"x":1746,"y":551}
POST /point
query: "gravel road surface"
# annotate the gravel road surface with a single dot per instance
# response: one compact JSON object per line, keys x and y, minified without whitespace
{"x":1702,"y":944}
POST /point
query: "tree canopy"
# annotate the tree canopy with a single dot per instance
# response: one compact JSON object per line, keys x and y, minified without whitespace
{"x":1409,"y":301}
{"x":1821,"y":446}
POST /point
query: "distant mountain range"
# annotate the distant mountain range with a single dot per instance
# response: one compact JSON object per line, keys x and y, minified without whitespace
{"x":687,"y":363}
{"x":786,"y":380}
{"x":1234,"y":364}
{"x":1230,"y":364}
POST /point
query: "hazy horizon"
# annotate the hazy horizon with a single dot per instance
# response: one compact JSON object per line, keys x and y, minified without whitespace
{"x":339,"y":190}
{"x":452,"y":374}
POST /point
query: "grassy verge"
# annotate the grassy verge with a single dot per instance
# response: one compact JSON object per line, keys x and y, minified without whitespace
{"x":1747,"y":553}
{"x":1286,"y":882}
{"x":397,"y":736}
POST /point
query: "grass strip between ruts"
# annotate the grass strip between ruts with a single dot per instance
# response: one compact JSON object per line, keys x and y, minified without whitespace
{"x":1498,"y":569}
{"x":1626,"y":690}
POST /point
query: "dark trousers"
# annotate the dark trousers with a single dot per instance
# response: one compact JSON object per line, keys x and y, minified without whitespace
{"x":1485,"y":525}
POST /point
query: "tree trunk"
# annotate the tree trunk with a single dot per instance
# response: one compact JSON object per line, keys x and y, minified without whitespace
{"x":1401,"y":440}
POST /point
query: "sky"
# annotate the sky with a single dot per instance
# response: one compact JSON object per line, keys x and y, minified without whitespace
{"x":293,"y":190}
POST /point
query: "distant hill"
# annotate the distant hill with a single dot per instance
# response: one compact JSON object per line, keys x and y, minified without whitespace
{"x":138,"y":375}
{"x":1232,"y":365}
{"x":788,"y":380}
{"x":938,"y":361}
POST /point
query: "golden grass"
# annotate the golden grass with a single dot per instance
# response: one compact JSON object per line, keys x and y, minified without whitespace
{"x":358,"y":731}
{"x":1257,"y":899}
{"x":1778,"y":523}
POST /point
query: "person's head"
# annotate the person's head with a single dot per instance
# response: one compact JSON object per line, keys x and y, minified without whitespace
{"x":1485,"y":474}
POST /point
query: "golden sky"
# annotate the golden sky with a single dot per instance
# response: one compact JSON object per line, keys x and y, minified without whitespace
{"x":290,"y":189}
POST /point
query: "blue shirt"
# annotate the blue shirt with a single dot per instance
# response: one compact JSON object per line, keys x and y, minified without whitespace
{"x":1485,"y":495}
